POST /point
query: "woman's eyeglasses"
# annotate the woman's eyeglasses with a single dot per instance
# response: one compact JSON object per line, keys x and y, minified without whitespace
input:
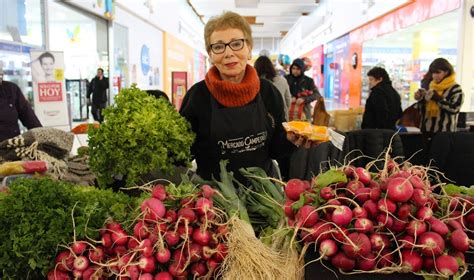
{"x":235,"y":45}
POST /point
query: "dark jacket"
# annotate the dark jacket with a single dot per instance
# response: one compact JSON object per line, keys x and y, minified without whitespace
{"x":14,"y":107}
{"x":98,"y":89}
{"x":300,"y":84}
{"x":382,"y":108}
{"x":196,"y":108}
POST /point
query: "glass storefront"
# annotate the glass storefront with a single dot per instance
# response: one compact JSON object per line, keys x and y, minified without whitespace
{"x":407,"y":54}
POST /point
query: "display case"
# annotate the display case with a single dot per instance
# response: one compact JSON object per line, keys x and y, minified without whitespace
{"x":77,"y":90}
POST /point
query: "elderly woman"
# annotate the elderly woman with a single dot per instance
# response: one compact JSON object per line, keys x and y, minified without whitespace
{"x":440,"y":105}
{"x":235,"y":115}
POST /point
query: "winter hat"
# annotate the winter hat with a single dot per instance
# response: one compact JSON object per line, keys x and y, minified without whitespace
{"x":300,"y":63}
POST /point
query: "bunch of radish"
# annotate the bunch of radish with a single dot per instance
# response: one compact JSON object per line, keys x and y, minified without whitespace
{"x":384,"y":222}
{"x":178,"y":234}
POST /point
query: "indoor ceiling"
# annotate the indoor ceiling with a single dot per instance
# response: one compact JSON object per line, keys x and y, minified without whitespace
{"x":268,"y":18}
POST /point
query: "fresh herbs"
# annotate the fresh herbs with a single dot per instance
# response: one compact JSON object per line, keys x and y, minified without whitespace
{"x":141,"y":133}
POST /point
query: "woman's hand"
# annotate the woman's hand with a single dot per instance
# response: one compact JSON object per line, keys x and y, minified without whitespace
{"x":301,"y":141}
{"x":420,"y":94}
{"x":299,"y":100}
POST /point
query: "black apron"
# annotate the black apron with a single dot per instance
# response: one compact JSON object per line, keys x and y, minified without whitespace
{"x":241,"y":135}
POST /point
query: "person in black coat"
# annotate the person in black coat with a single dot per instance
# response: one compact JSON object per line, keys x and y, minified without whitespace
{"x":302,"y":87}
{"x":14,"y":107}
{"x":98,"y":88}
{"x":383,"y":107}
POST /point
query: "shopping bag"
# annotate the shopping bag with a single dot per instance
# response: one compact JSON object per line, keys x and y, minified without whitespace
{"x":320,"y":116}
{"x":296,"y":111}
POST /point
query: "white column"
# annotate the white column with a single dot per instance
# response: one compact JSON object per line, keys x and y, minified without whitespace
{"x":465,"y":63}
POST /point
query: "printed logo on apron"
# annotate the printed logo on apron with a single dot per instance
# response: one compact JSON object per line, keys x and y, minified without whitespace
{"x":243,"y":144}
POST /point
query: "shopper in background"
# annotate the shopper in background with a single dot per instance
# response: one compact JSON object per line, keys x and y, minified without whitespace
{"x":440,"y":105}
{"x":266,"y":70}
{"x":158,"y":94}
{"x":235,"y":115}
{"x":302,"y":89}
{"x":98,"y":88}
{"x":383,"y":107}
{"x":13,"y":108}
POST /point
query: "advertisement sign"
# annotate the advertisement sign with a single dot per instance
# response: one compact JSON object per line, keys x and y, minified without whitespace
{"x":179,"y":87}
{"x":49,"y":89}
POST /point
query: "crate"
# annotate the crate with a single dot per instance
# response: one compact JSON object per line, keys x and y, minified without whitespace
{"x":347,"y":120}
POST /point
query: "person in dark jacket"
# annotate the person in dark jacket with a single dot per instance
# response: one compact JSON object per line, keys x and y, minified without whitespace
{"x":302,"y":88}
{"x":14,"y":107}
{"x":383,"y":107}
{"x":98,"y":88}
{"x":235,"y":115}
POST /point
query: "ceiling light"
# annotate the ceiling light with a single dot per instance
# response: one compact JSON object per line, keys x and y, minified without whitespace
{"x":246,"y":3}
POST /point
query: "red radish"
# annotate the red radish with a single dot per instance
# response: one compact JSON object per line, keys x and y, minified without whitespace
{"x":446,"y":265}
{"x":163,"y":255}
{"x":306,"y":216}
{"x":398,"y":226}
{"x":340,"y":234}
{"x":433,"y":244}
{"x":438,"y":226}
{"x":360,"y":248}
{"x":64,"y":261}
{"x":161,"y":227}
{"x":420,"y":197}
{"x":326,"y":193}
{"x":454,"y":224}
{"x":459,"y":240}
{"x":97,"y":254}
{"x":294,"y":188}
{"x":379,"y":241}
{"x":375,"y":194}
{"x":77,"y":274}
{"x":207,"y":191}
{"x":179,"y":257}
{"x":367,"y":263}
{"x":57,"y":275}
{"x":363,"y":175}
{"x":342,"y":215}
{"x":133,"y":272}
{"x":401,"y":174}
{"x":172,"y":238}
{"x":373,"y":184}
{"x":147,"y":251}
{"x":175,"y":269}
{"x":221,"y":253}
{"x":187,"y":214}
{"x":352,"y":187}
{"x":132,"y":243}
{"x":327,"y":248}
{"x":417,"y":183}
{"x":287,"y":208}
{"x":114,"y":226}
{"x":428,"y":263}
{"x":124,"y":261}
{"x":119,"y":237}
{"x":146,"y":264}
{"x":386,"y":205}
{"x":140,"y":230}
{"x":198,"y":269}
{"x":412,"y":260}
{"x":203,"y":205}
{"x":184,"y":230}
{"x":187,"y":202}
{"x":335,"y":202}
{"x":384,"y":220}
{"x":459,"y":256}
{"x":399,"y":189}
{"x":107,"y":240}
{"x":349,"y":171}
{"x":362,"y":195}
{"x":371,"y":208}
{"x":212,"y":264}
{"x":406,"y":241}
{"x":201,"y":237}
{"x":79,"y":247}
{"x":120,"y":250}
{"x":81,"y":263}
{"x":391,"y":165}
{"x":146,"y":276}
{"x":321,"y":231}
{"x":404,"y":211}
{"x":359,"y":212}
{"x":340,"y":260}
{"x":424,"y":213}
{"x":386,"y":259}
{"x":159,"y":192}
{"x":416,"y":228}
{"x":195,"y":252}
{"x":363,"y":225}
{"x":164,"y":275}
{"x":154,"y":209}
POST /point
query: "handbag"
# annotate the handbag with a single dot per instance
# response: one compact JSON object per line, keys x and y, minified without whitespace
{"x":320,"y":115}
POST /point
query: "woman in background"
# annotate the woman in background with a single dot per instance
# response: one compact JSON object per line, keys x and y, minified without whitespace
{"x":266,"y":70}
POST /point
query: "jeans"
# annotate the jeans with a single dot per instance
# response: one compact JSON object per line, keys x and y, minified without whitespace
{"x":97,"y":111}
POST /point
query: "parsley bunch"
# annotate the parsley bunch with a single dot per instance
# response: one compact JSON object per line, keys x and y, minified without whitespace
{"x":35,"y":218}
{"x":140,"y":134}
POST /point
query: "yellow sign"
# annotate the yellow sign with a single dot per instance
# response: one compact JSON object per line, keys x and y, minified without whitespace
{"x":59,"y":74}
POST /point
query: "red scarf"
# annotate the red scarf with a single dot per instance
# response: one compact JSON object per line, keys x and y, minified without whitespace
{"x":232,"y":94}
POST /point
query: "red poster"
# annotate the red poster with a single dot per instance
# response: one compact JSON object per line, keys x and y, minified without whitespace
{"x":49,"y":92}
{"x":179,"y":86}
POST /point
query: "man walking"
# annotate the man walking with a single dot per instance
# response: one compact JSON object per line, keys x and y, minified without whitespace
{"x":98,"y":88}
